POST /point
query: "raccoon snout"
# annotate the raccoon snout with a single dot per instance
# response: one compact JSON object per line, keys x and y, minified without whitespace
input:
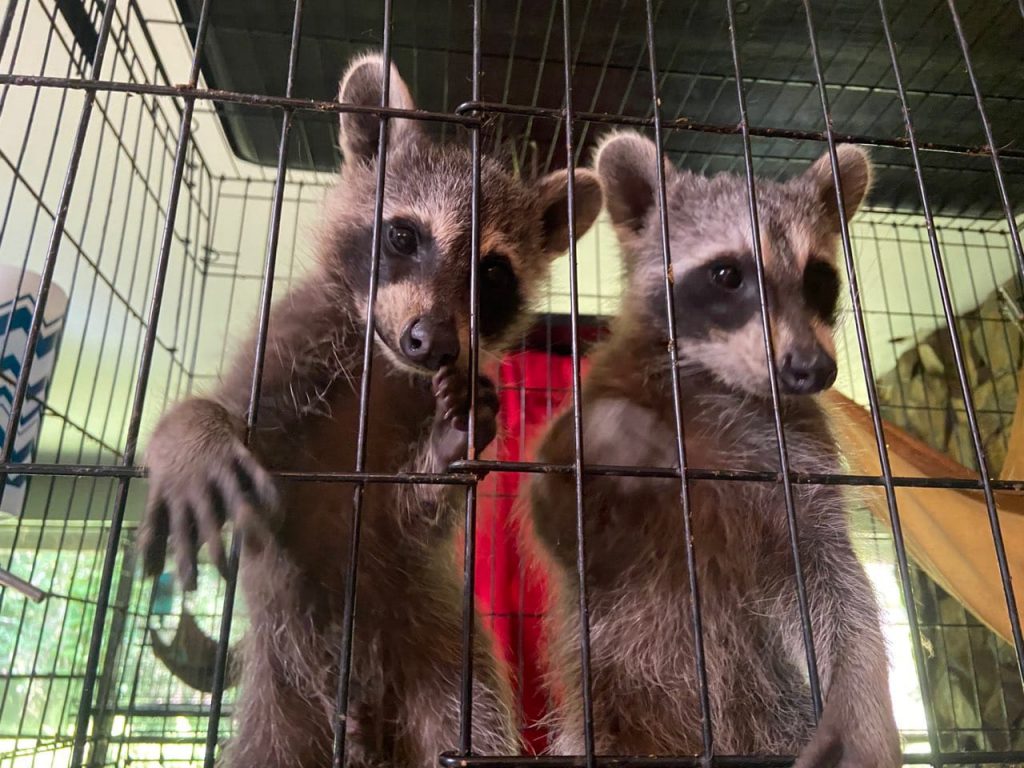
{"x":430,"y":343}
{"x":806,"y":371}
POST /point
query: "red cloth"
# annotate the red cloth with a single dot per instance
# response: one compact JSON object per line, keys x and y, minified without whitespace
{"x":510,"y":594}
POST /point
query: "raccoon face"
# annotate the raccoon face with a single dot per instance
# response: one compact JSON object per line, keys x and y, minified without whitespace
{"x":714,"y":278}
{"x":423,"y":299}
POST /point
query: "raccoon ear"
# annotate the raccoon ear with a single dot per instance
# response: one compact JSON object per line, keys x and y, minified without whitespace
{"x":361,"y":86}
{"x":553,"y":193}
{"x":855,"y":172}
{"x":627,"y":163}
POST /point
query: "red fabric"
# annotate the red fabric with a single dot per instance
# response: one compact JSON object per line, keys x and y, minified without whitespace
{"x":510,"y":594}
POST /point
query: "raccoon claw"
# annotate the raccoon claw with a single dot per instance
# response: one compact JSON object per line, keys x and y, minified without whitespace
{"x":200,"y":475}
{"x":451,"y":420}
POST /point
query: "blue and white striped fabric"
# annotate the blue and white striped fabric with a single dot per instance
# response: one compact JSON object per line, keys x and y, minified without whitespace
{"x":15,"y":320}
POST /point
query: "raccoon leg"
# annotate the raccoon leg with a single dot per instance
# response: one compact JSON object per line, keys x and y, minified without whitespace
{"x":276,"y":727}
{"x":493,"y":725}
{"x":634,"y":712}
{"x":857,"y":728}
{"x":283,"y":715}
{"x":429,"y":701}
{"x":428,"y":660}
{"x":629,"y":716}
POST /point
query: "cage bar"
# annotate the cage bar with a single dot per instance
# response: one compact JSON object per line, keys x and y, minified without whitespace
{"x":160,"y":205}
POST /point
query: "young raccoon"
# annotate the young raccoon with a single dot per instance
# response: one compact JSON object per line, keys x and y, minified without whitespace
{"x":407,"y":648}
{"x":645,"y":690}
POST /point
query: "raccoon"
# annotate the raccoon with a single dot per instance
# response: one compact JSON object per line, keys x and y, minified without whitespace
{"x":645,"y":687}
{"x":407,"y":648}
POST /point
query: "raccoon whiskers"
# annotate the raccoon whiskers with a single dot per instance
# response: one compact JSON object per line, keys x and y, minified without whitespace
{"x":684,"y":365}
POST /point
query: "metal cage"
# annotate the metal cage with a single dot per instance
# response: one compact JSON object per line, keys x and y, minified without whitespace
{"x":161,"y":161}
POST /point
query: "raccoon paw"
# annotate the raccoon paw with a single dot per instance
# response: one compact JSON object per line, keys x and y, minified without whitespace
{"x":451,"y":418}
{"x":200,"y":475}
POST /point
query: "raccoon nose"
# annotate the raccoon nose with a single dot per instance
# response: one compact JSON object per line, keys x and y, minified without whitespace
{"x":430,"y":343}
{"x":806,"y":371}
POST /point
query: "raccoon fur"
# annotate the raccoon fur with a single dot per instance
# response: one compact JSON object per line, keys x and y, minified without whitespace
{"x":645,"y":685}
{"x":407,"y":649}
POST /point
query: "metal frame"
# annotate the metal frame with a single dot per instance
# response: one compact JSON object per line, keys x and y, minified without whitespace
{"x":473,"y":115}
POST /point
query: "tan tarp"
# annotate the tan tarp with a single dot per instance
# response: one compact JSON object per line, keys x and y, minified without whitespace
{"x":946,"y":531}
{"x":1013,"y":464}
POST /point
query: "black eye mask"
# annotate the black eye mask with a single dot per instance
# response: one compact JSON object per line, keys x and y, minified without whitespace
{"x":408,"y":253}
{"x":821,"y":289}
{"x":720,"y":294}
{"x":500,"y":300}
{"x":405,"y":253}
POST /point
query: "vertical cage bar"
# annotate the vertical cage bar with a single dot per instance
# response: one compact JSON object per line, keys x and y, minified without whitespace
{"x":577,"y":400}
{"x":142,"y":380}
{"x":769,"y":348}
{"x":5,"y":25}
{"x":348,"y":614}
{"x":958,"y":358}
{"x":986,"y":124}
{"x":869,"y":379}
{"x":107,"y":684}
{"x":469,"y":536}
{"x":53,"y":246}
{"x":266,"y":300}
{"x":707,"y":727}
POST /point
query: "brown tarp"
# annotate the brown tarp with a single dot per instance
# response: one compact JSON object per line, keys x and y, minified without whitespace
{"x":946,"y":531}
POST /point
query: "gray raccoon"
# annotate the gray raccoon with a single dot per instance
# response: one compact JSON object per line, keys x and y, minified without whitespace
{"x":406,"y":655}
{"x":645,"y":689}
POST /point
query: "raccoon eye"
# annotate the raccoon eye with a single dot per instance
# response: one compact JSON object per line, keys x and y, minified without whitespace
{"x":496,"y":274}
{"x":402,"y":239}
{"x":727,"y":276}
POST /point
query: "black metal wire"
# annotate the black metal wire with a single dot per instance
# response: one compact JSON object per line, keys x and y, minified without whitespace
{"x":993,"y":148}
{"x":707,"y":727}
{"x":599,"y":86}
{"x":50,"y":260}
{"x":469,"y":472}
{"x":230,"y":97}
{"x":769,"y":349}
{"x":142,"y":380}
{"x":528,"y":132}
{"x":79,"y":250}
{"x":571,"y":61}
{"x":466,"y":472}
{"x":92,"y":503}
{"x":461,"y":118}
{"x":8,"y":579}
{"x":577,"y":402}
{"x":252,"y":414}
{"x":869,"y":377}
{"x":5,"y":25}
{"x":348,"y":614}
{"x":685,"y":124}
{"x":469,"y":534}
{"x":957,"y":349}
{"x":56,"y":234}
{"x":50,"y":505}
{"x":449,"y":760}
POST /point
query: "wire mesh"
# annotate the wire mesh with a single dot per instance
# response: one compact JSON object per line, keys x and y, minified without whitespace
{"x":129,"y":186}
